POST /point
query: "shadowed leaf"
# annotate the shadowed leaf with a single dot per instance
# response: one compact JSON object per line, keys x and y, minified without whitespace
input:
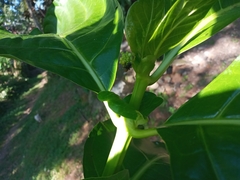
{"x":201,"y":135}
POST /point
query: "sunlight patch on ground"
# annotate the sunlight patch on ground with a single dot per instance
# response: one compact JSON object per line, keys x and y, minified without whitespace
{"x":38,"y":86}
{"x":80,"y":136}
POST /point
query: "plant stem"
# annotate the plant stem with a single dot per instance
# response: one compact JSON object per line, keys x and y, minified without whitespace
{"x":138,"y":91}
{"x":119,"y":146}
{"x":122,"y":138}
{"x":118,"y":151}
{"x":167,"y":61}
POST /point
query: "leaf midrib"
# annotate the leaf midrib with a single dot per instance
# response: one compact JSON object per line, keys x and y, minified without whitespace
{"x":205,"y":122}
{"x":209,"y":156}
{"x":86,"y":65}
{"x":167,"y":35}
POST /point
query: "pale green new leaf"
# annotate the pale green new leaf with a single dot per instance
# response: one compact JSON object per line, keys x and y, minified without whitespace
{"x":219,"y":15}
{"x":142,"y":19}
{"x":82,"y":42}
{"x":152,"y":30}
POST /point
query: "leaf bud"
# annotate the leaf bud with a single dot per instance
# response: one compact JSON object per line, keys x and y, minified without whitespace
{"x":127,"y":59}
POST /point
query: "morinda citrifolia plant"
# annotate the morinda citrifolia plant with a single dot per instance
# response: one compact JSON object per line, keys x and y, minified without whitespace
{"x":81,"y":42}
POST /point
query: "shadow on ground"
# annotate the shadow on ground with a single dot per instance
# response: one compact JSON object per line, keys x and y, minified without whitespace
{"x":52,"y":148}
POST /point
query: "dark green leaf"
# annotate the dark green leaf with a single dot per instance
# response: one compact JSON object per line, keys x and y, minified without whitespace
{"x":202,"y":136}
{"x":147,"y":160}
{"x":107,"y":96}
{"x":35,"y":31}
{"x":118,"y":105}
{"x":82,"y":45}
{"x":149,"y":102}
{"x":97,"y":148}
{"x":144,"y":159}
{"x":122,"y":175}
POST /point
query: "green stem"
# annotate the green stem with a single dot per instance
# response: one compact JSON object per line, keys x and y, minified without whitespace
{"x":120,"y":144}
{"x":167,"y":61}
{"x":138,"y":91}
{"x":118,"y":152}
{"x":123,"y":138}
{"x":125,"y":131}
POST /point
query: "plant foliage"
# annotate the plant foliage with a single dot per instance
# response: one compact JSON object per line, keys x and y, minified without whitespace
{"x":81,"y":42}
{"x":204,"y":131}
{"x":82,"y":39}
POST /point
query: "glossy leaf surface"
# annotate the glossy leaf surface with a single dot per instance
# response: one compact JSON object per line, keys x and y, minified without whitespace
{"x":154,"y":29}
{"x":202,"y":136}
{"x":82,"y":43}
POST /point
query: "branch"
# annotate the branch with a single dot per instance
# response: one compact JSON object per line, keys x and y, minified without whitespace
{"x":33,"y":15}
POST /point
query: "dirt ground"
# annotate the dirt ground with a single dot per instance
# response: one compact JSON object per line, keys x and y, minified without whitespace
{"x":190,"y":72}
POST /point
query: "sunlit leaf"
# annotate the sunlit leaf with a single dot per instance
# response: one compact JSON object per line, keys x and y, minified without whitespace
{"x":82,"y":43}
{"x":220,"y":15}
{"x":142,"y":19}
{"x":154,"y":29}
{"x":151,"y":30}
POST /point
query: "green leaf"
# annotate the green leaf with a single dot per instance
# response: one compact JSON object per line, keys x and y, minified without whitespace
{"x":149,"y":102}
{"x":202,"y":136}
{"x":97,"y":148}
{"x":82,"y":43}
{"x":142,"y":19}
{"x":220,"y":15}
{"x":185,"y":25}
{"x":35,"y":31}
{"x":144,"y":159}
{"x":147,"y":160}
{"x":118,"y":105}
{"x":122,"y":175}
{"x":151,"y":30}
